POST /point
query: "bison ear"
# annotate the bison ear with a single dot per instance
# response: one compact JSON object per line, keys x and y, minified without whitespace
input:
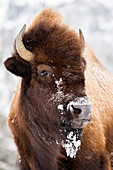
{"x":81,"y":36}
{"x":18,"y":67}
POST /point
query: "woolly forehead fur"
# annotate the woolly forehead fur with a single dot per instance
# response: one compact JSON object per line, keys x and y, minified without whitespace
{"x":52,"y":40}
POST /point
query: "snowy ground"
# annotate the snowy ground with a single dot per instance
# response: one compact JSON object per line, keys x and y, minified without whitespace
{"x":94,"y":18}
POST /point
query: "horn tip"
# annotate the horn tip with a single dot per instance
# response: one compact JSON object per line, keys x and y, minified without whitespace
{"x":23,"y":29}
{"x":80,"y":31}
{"x":81,"y":34}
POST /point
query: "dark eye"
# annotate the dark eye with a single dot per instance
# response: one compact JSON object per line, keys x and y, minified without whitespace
{"x":43,"y":73}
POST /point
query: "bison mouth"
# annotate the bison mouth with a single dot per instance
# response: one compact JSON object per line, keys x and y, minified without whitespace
{"x":76,"y":132}
{"x":77,"y":124}
{"x":73,"y":136}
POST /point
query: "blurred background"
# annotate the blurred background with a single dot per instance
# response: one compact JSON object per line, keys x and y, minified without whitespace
{"x":95,"y":18}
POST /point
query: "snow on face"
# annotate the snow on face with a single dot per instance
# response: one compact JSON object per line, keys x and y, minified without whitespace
{"x":58,"y":82}
{"x":60,"y":94}
{"x":60,"y":107}
{"x":57,"y":97}
{"x":71,"y":145}
{"x":79,"y":101}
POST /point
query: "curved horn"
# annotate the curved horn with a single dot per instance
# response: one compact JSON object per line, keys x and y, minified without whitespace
{"x":82,"y":38}
{"x":22,"y":51}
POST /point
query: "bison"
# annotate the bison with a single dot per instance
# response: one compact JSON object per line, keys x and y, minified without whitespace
{"x":62,"y":88}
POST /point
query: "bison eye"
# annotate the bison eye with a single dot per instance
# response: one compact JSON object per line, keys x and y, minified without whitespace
{"x":44,"y":73}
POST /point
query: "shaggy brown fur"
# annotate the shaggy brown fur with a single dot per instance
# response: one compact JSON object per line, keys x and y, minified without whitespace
{"x":34,"y":118}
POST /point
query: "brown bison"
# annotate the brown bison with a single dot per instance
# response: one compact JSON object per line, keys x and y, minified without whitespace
{"x":50,"y":107}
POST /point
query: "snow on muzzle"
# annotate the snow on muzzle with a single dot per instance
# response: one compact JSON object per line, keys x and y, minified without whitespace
{"x":79,"y":112}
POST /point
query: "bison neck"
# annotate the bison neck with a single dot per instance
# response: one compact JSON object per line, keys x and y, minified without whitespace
{"x":37,"y":154}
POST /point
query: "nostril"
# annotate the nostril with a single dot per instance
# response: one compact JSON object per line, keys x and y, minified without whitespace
{"x":76,"y":110}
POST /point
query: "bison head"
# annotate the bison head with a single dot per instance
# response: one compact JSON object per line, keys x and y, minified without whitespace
{"x":53,"y":105}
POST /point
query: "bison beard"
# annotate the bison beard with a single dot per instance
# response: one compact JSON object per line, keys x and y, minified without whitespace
{"x":50,"y":107}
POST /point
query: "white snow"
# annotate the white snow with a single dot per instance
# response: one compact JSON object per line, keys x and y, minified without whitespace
{"x":19,"y":159}
{"x":60,"y":107}
{"x":79,"y":101}
{"x":59,"y":94}
{"x":58,"y":82}
{"x":57,"y":142}
{"x":71,"y":145}
{"x":12,"y":120}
